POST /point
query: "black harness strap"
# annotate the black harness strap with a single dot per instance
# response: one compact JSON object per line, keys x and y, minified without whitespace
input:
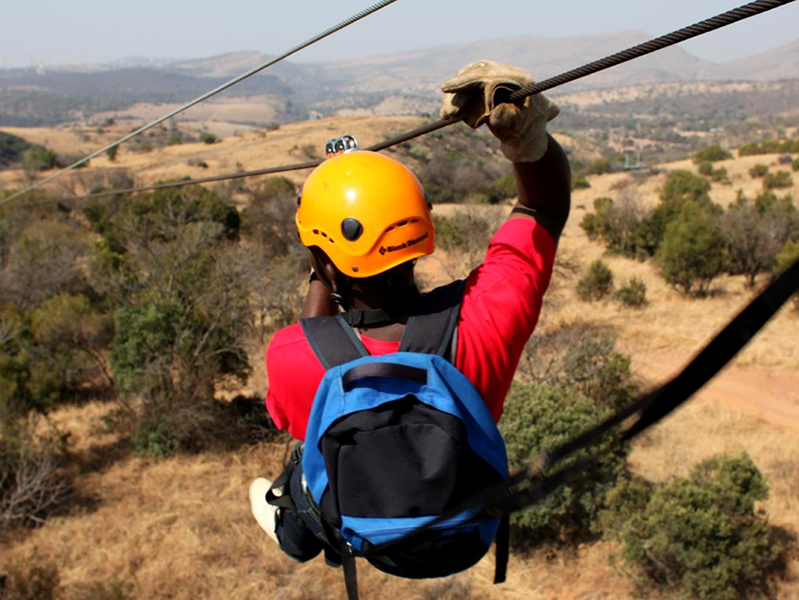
{"x":503,"y":550}
{"x":350,"y":575}
{"x":332,"y":340}
{"x":431,"y":329}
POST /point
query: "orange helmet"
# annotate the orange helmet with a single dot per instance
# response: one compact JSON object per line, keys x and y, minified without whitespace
{"x":367,"y":212}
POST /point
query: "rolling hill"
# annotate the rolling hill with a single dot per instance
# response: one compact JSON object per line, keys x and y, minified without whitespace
{"x":390,"y":84}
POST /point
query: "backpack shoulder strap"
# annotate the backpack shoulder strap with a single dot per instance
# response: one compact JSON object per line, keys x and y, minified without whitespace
{"x":332,"y":340}
{"x":432,"y":327}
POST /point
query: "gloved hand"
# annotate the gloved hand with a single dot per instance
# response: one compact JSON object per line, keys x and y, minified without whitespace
{"x":479,"y":93}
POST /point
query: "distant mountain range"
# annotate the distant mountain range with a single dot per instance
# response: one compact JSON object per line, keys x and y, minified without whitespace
{"x":403,"y":82}
{"x":542,"y":57}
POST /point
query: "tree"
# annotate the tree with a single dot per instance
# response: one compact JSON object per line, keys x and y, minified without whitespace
{"x":600,"y":166}
{"x":702,"y":535}
{"x":539,"y":417}
{"x":780,"y":179}
{"x":582,"y":357}
{"x":597,"y":283}
{"x":39,"y":159}
{"x":706,"y":169}
{"x":711,"y":153}
{"x":633,"y":293}
{"x":44,"y":262}
{"x":11,"y":148}
{"x":579,"y":182}
{"x":684,"y":185}
{"x":692,"y":252}
{"x":681,"y":188}
{"x":112,"y":153}
{"x":621,"y":224}
{"x":269,"y":220}
{"x":169,"y":263}
{"x":756,"y":232}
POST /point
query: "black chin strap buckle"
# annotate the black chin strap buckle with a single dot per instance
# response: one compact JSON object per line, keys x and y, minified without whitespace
{"x":365,"y":318}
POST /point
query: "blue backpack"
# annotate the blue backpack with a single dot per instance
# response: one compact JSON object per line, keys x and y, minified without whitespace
{"x":394,"y":441}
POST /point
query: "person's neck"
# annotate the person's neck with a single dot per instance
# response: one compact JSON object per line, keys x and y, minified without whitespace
{"x":396,"y":308}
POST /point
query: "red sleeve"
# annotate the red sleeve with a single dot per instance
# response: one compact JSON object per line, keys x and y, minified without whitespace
{"x":501,"y":303}
{"x":294,"y":374}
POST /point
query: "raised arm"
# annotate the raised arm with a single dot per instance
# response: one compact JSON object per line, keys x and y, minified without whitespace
{"x":544,"y":188}
{"x":479,"y":94}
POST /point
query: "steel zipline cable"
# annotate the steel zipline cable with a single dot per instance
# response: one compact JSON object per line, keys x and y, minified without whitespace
{"x":310,"y":41}
{"x":728,"y":18}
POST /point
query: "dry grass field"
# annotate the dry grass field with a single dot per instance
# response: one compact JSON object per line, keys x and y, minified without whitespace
{"x":180,"y":528}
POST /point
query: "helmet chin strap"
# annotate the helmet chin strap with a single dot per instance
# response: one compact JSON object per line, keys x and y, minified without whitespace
{"x":357,"y":317}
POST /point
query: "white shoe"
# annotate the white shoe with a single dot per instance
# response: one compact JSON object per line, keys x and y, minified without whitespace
{"x":263,"y":512}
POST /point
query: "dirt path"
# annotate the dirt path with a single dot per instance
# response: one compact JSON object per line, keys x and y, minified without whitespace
{"x":770,"y":394}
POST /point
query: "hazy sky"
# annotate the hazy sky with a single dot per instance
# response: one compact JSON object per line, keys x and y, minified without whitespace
{"x":54,"y":32}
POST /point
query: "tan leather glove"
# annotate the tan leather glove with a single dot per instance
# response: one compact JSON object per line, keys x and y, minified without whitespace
{"x":478,"y":94}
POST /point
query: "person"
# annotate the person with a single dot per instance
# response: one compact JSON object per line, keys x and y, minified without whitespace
{"x":366,"y":220}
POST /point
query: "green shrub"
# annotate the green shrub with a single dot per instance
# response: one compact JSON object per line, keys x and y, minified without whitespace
{"x":112,"y":153}
{"x":196,"y":162}
{"x":597,"y":283}
{"x":592,"y":225}
{"x":759,"y":170}
{"x":770,"y":147}
{"x":16,"y":400}
{"x":711,"y":154}
{"x":11,"y":148}
{"x":155,"y":436}
{"x":702,"y":535}
{"x":39,"y":159}
{"x":463,"y":231}
{"x":780,"y":179}
{"x":682,"y":188}
{"x":692,"y":253}
{"x":684,"y":185}
{"x":600,"y":166}
{"x":720,"y":176}
{"x":623,"y":227}
{"x":795,"y":165}
{"x":538,"y":417}
{"x":633,"y":293}
{"x":582,"y":357}
{"x":206,"y":137}
{"x":580,"y":183}
{"x":418,"y":152}
{"x":756,"y":232}
{"x":503,"y":188}
{"x":706,"y":169}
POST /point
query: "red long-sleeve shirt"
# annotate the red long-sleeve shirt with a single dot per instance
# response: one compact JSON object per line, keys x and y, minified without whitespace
{"x":501,"y":304}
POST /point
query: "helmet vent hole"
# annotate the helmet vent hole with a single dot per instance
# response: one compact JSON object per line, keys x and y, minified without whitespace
{"x":402,"y":223}
{"x":351,"y":229}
